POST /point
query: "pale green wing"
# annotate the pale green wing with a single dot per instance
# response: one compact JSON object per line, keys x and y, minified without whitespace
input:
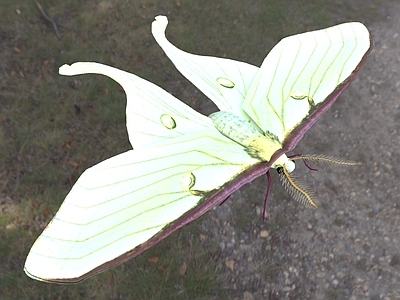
{"x":224,"y":81}
{"x":300,"y":72}
{"x":122,"y":202}
{"x":152,"y":114}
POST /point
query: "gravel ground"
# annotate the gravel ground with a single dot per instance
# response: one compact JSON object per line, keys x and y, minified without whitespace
{"x":348,"y":248}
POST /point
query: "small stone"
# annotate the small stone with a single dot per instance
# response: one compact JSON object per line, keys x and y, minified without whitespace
{"x":258,"y":211}
{"x":335,"y":282}
{"x":222,"y":246}
{"x":183,"y":269}
{"x":286,"y":273}
{"x":229,"y":264}
{"x":339,"y":275}
{"x":10,"y":226}
{"x":229,"y":245}
{"x":264,"y":233}
{"x":321,"y":274}
{"x":248,"y":296}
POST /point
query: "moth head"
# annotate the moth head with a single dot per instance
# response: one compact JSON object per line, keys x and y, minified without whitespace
{"x":289,"y":166}
{"x":294,"y":185}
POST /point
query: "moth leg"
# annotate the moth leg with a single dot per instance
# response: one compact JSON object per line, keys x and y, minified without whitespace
{"x":269,"y":180}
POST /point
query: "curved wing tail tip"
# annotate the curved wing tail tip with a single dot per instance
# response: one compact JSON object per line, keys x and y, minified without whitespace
{"x":89,"y":67}
{"x":79,"y":68}
{"x":159,"y":25}
{"x":67,"y":70}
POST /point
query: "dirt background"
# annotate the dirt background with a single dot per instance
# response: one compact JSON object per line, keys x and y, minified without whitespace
{"x":349,"y":248}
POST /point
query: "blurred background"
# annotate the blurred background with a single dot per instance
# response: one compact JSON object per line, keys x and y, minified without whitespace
{"x":52,"y":128}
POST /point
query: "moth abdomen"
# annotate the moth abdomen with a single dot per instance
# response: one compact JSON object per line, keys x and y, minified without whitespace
{"x":234,"y":127}
{"x":257,"y":145}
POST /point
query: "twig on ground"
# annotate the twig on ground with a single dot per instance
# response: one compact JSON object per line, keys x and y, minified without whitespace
{"x":55,"y":25}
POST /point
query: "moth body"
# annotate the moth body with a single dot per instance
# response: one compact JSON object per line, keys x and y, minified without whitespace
{"x":257,"y":145}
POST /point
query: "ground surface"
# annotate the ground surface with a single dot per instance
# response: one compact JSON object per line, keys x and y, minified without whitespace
{"x":349,"y":248}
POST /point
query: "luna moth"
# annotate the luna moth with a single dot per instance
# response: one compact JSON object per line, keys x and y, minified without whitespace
{"x":184,"y":163}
